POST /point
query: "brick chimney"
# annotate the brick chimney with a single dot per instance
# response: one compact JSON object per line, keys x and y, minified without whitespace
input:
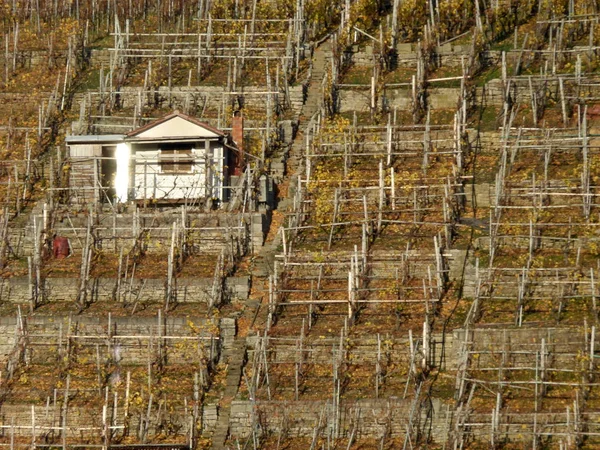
{"x":237,"y":133}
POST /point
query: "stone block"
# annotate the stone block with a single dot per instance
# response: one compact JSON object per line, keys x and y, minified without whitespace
{"x":443,"y":98}
{"x":445,"y":48}
{"x":238,"y":287}
{"x":287,"y":131}
{"x":482,"y":195}
{"x":278,"y":168}
{"x":404,"y":48}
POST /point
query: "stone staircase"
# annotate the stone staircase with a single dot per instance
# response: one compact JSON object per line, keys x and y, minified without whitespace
{"x":296,"y":99}
{"x":312,"y":106}
{"x":264,"y":261}
{"x":235,"y":357}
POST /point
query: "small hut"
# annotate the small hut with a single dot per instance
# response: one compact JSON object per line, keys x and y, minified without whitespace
{"x":174,"y":159}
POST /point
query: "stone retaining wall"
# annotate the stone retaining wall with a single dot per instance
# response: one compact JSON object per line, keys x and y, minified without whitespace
{"x":401,"y":98}
{"x":206,"y":233}
{"x":359,"y":350}
{"x":449,"y":55}
{"x":151,"y":290}
{"x":299,"y":418}
{"x":562,"y":345}
{"x":121,"y":326}
{"x":82,"y":422}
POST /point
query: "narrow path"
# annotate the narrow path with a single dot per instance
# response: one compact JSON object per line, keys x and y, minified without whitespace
{"x":254,"y":312}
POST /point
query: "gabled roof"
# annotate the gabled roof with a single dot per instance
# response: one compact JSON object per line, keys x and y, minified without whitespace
{"x":173,"y":126}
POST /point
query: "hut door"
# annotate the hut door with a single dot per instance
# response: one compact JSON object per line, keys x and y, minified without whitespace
{"x":108,"y":170}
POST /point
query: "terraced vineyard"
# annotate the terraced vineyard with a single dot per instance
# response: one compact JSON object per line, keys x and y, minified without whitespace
{"x":409,"y":258}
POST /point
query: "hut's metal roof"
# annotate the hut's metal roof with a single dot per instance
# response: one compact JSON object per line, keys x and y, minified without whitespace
{"x":96,"y":139}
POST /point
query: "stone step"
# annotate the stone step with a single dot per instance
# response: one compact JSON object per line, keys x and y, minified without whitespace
{"x":262,"y":272}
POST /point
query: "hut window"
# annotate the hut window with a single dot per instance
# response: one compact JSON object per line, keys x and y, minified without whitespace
{"x":176,"y":160}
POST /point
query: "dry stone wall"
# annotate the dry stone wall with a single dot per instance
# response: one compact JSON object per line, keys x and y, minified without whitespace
{"x":376,"y":417}
{"x":151,"y":290}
